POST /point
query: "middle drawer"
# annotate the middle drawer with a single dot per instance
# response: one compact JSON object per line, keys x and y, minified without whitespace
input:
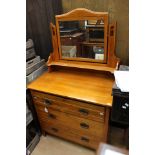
{"x":81,"y":124}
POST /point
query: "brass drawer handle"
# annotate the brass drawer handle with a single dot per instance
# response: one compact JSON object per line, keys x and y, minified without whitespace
{"x":51,"y":116}
{"x":84,"y":125}
{"x":85,"y":139}
{"x":47,"y":102}
{"x":84,"y":112}
{"x":54,"y":129}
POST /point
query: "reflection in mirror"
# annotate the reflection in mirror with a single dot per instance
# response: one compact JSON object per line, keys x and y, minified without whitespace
{"x":82,"y":39}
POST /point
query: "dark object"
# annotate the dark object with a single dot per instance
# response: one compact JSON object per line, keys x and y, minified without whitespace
{"x":84,"y":125}
{"x":51,"y":116}
{"x":30,"y":133}
{"x":117,"y":92}
{"x":95,"y":34}
{"x":48,"y":102}
{"x":33,"y":142}
{"x":85,"y":139}
{"x":32,"y":128}
{"x":30,"y":53}
{"x":39,"y":14}
{"x":34,"y":67}
{"x":68,"y":31}
{"x":120,"y":109}
{"x":69,"y":27}
{"x":84,"y":111}
{"x":54,"y":129}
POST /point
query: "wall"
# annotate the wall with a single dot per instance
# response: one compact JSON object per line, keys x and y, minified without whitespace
{"x":118,"y":11}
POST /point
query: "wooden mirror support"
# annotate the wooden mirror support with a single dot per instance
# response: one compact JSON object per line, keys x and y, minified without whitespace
{"x":111,"y":63}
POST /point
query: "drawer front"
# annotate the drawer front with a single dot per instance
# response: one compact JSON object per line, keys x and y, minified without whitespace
{"x":70,"y":134}
{"x":81,"y":109}
{"x":83,"y":125}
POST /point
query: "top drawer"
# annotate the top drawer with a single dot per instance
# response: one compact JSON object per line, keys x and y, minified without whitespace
{"x":70,"y":106}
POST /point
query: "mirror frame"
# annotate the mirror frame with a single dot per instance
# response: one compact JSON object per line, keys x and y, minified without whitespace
{"x":54,"y":61}
{"x":83,"y":14}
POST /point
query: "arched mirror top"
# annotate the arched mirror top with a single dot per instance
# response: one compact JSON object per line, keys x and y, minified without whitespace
{"x":81,"y":13}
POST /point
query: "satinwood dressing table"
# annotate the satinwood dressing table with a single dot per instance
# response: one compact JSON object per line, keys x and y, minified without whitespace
{"x":73,"y":98}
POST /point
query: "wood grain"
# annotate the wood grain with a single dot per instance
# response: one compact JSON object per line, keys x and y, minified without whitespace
{"x":72,"y":135}
{"x":83,"y":65}
{"x":80,"y":109}
{"x":56,"y":121}
{"x":77,"y":85}
{"x":79,"y":13}
{"x":81,"y":124}
{"x":113,"y":61}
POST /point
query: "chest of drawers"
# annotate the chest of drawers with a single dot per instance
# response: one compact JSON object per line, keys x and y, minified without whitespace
{"x":74,"y":120}
{"x":73,"y":106}
{"x":73,"y":98}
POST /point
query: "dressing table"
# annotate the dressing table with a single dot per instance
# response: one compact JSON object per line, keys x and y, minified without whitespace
{"x":73,"y":99}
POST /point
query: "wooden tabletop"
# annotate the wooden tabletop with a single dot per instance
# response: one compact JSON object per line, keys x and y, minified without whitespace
{"x":91,"y":87}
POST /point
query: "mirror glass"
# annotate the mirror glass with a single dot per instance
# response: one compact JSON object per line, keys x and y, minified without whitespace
{"x":82,"y":39}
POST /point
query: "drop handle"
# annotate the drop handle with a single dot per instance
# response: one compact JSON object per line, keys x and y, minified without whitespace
{"x":54,"y":129}
{"x":51,"y":116}
{"x":85,"y":139}
{"x":47,"y":102}
{"x":84,"y":111}
{"x":84,"y":125}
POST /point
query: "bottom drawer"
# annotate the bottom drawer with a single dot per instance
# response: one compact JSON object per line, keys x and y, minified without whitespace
{"x":72,"y":135}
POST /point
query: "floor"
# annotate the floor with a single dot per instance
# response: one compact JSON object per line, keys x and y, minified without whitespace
{"x":51,"y":145}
